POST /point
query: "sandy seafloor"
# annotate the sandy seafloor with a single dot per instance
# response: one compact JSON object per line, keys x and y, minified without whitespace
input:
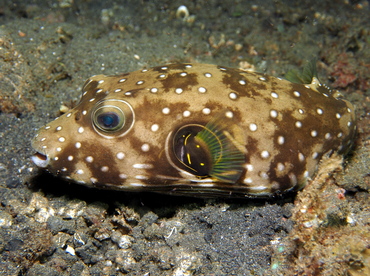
{"x":51,"y":227}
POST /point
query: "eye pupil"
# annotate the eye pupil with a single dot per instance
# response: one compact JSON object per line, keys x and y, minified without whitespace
{"x":108,"y":120}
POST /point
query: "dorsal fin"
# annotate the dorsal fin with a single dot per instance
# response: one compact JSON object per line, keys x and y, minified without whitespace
{"x":307,"y":76}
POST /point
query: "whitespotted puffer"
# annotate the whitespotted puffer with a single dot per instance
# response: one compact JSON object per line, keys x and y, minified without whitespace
{"x":197,"y":129}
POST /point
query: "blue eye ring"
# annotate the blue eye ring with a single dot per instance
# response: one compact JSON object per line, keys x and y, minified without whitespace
{"x":109,"y":118}
{"x":112,"y":118}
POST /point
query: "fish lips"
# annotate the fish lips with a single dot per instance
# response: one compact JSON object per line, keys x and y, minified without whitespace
{"x":41,"y":160}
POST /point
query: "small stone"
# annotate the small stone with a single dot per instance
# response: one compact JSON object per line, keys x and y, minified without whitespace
{"x":123,"y":241}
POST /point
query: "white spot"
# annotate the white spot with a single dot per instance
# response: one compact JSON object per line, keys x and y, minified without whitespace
{"x":104,"y":168}
{"x":69,"y":115}
{"x":79,"y":171}
{"x":140,"y":82}
{"x":166,"y":110}
{"x":120,"y":155}
{"x":349,"y":110}
{"x":128,"y":93}
{"x":262,"y":78}
{"x":44,"y":147}
{"x":206,"y":111}
{"x":306,"y":174}
{"x":281,"y":140}
{"x":162,"y":76}
{"x":61,"y":139}
{"x":142,"y":166}
{"x":42,"y":139}
{"x":327,"y":136}
{"x":340,"y":134}
{"x":265,"y":154}
{"x":118,"y":90}
{"x":349,"y":124}
{"x":233,"y":96}
{"x":260,"y":188}
{"x":301,"y":157}
{"x":93,"y":180}
{"x":78,"y":145}
{"x":293,"y":179}
{"x":297,"y":94}
{"x":206,"y":184}
{"x":229,"y":114}
{"x":47,"y":127}
{"x":56,"y":158}
{"x":89,"y":159}
{"x":183,"y":74}
{"x":80,"y":130}
{"x":122,"y":176}
{"x":273,"y":113}
{"x":154,"y":127}
{"x":164,"y":68}
{"x":202,"y":89}
{"x":307,"y":86}
{"x":264,"y":175}
{"x":84,"y":112}
{"x":298,"y":124}
{"x":101,"y":81}
{"x":145,"y":147}
{"x":144,"y":70}
{"x":59,"y":149}
{"x":178,"y":90}
{"x":188,"y":65}
{"x":253,"y":127}
{"x":249,"y":167}
{"x":248,"y":180}
{"x":154,"y":90}
{"x":136,"y":184}
{"x":242,"y":82}
{"x":325,"y":95}
{"x":208,"y":75}
{"x":313,"y":133}
{"x":222,"y":69}
{"x":280,"y":167}
{"x":98,"y":91}
{"x":70,"y":158}
{"x":141,"y":177}
{"x":186,"y":113}
{"x":64,"y":169}
{"x":91,"y":100}
{"x":319,"y":111}
{"x":274,"y":95}
{"x":338,"y":115}
{"x":315,"y":155}
{"x":300,"y":111}
{"x":59,"y":128}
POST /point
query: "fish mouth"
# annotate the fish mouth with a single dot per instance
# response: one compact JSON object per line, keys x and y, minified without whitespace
{"x":41,"y":160}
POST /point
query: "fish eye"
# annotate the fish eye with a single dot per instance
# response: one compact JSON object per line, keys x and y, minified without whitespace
{"x":113,"y":118}
{"x":109,"y":118}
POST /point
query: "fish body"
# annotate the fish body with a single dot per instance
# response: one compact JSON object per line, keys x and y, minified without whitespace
{"x":197,"y":129}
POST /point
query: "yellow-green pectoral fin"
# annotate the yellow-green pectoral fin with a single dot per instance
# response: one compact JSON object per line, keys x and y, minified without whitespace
{"x":225,"y":143}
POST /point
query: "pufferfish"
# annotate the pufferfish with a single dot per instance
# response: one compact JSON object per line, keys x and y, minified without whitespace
{"x":197,"y":129}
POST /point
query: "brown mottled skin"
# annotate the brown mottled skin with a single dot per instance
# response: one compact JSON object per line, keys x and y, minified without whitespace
{"x":285,"y":130}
